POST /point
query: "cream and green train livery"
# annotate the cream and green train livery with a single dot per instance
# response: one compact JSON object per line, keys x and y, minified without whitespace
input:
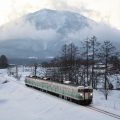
{"x":80,"y":94}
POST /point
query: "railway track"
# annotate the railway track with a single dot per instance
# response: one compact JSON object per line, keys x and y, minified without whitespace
{"x":104,"y":112}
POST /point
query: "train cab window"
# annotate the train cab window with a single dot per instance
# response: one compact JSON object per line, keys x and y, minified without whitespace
{"x":85,"y":90}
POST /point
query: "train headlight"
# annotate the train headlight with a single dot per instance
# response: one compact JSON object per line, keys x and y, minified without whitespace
{"x":81,"y":94}
{"x":91,"y":94}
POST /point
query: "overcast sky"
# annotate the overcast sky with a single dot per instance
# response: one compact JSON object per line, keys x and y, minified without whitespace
{"x":98,"y":10}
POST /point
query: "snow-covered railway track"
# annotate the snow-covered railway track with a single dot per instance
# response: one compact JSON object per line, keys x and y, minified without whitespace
{"x":104,"y":112}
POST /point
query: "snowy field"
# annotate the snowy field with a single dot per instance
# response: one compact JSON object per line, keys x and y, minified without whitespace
{"x":18,"y":102}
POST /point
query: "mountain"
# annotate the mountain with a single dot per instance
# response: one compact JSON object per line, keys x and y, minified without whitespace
{"x":42,"y":33}
{"x":62,"y":21}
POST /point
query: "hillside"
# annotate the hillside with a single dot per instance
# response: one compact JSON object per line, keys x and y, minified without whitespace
{"x":42,"y":33}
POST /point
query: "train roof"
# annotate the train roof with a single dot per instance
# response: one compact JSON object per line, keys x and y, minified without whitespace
{"x":68,"y":83}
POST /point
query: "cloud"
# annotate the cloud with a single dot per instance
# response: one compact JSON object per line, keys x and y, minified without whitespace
{"x":25,"y":30}
{"x":61,"y":4}
{"x":12,"y":9}
{"x":102,"y":31}
{"x":92,"y":9}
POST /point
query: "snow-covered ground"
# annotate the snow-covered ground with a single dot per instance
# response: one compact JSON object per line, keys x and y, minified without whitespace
{"x":18,"y":102}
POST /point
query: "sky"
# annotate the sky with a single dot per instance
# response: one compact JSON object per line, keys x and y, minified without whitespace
{"x":107,"y":11}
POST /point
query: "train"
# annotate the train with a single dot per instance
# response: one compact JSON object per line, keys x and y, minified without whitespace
{"x":79,"y":94}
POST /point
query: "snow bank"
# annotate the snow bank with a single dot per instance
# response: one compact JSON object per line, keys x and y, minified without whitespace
{"x":112,"y":104}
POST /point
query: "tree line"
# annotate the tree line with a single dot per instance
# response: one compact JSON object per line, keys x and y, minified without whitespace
{"x":85,"y":65}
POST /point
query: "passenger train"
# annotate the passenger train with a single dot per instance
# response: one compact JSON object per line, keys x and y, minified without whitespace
{"x":79,"y":94}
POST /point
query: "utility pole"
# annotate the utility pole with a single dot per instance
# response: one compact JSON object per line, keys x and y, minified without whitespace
{"x":35,"y":70}
{"x":87,"y":58}
{"x":93,"y":39}
{"x":106,"y":67}
{"x":65,"y":64}
{"x":16,"y":72}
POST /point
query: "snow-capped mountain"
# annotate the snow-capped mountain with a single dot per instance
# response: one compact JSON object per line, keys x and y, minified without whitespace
{"x":42,"y":33}
{"x":61,"y":21}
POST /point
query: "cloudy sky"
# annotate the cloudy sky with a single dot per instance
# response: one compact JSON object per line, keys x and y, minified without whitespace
{"x":98,"y":10}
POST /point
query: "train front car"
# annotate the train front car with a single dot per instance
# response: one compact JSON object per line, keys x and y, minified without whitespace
{"x":86,"y":95}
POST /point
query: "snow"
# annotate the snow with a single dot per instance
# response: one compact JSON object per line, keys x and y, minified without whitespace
{"x":111,"y":105}
{"x":18,"y":102}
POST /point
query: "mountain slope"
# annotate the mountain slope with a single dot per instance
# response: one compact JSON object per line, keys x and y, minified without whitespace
{"x":42,"y":33}
{"x":62,"y":21}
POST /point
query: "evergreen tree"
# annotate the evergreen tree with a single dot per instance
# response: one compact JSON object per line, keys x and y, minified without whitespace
{"x":3,"y":61}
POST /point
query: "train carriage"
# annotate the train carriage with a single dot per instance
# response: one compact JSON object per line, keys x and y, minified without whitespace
{"x":80,"y":94}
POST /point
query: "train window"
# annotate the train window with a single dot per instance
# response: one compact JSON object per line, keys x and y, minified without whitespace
{"x":88,"y":90}
{"x":80,"y":90}
{"x":85,"y":90}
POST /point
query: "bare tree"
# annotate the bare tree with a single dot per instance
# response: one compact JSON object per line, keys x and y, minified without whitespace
{"x":85,"y":56}
{"x":94,"y":49}
{"x":106,"y":51}
{"x":115,"y":61}
{"x":69,"y":56}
